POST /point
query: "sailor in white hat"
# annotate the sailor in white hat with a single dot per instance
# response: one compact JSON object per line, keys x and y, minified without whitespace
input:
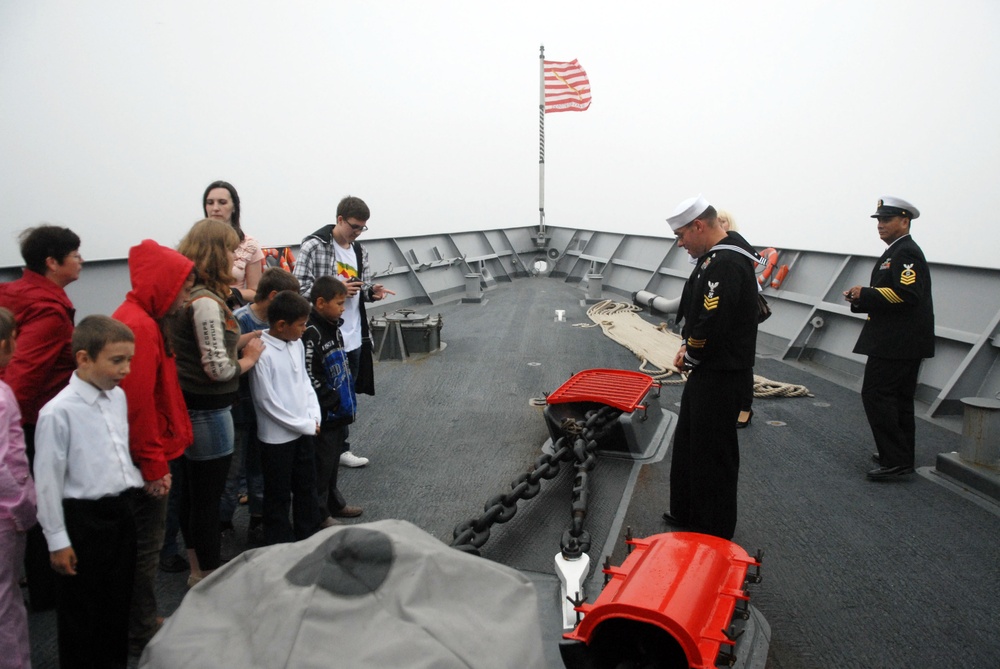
{"x":718,"y":313}
{"x":896,"y":337}
{"x":895,"y":206}
{"x":687,"y":211}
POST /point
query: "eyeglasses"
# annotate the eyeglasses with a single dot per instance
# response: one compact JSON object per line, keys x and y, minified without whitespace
{"x":357,"y":228}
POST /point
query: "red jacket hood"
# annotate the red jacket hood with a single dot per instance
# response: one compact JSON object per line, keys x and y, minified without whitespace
{"x":158,"y":273}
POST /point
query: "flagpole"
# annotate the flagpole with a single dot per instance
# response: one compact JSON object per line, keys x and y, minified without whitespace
{"x":541,"y":143}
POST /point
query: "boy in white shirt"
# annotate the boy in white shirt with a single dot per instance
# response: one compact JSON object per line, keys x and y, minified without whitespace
{"x":288,"y":419}
{"x":86,"y":482}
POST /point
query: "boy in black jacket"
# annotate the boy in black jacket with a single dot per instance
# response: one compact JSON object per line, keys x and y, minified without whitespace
{"x":326,"y":363}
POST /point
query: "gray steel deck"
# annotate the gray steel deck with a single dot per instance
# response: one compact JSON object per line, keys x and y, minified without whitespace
{"x":856,"y":574}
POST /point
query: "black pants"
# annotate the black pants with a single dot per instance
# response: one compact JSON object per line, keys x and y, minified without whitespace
{"x":705,"y":460}
{"x":887,"y":394}
{"x":329,"y":445}
{"x":289,"y":483}
{"x":93,"y":606}
{"x":203,"y":483}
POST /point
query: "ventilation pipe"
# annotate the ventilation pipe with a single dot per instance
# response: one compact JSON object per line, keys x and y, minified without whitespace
{"x":651,"y":301}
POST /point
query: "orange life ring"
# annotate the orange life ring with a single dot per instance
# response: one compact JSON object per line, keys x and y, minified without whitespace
{"x":779,"y":276}
{"x":279,"y":257}
{"x":770,"y":255}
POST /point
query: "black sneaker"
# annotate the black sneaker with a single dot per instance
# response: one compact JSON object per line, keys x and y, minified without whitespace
{"x":255,"y":533}
{"x":174,"y":564}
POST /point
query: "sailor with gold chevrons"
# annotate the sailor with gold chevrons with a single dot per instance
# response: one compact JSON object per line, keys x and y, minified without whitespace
{"x":719,"y":312}
{"x":897,"y":336}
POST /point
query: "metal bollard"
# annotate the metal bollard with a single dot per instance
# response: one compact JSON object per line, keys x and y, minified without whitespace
{"x":595,"y":288}
{"x":473,"y":288}
{"x":981,"y":432}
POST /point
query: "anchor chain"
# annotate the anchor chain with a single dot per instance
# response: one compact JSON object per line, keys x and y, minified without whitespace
{"x":578,"y":443}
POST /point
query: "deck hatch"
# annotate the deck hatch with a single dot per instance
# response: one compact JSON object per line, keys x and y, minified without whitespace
{"x":618,"y":388}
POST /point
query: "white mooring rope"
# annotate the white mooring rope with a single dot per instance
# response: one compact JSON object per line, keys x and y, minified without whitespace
{"x":656,"y":347}
{"x":767,"y":388}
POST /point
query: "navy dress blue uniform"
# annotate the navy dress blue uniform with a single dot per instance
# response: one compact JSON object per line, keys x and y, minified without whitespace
{"x":897,"y":336}
{"x":719,"y":311}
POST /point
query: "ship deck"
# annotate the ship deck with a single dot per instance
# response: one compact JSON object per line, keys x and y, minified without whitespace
{"x":855,"y":574}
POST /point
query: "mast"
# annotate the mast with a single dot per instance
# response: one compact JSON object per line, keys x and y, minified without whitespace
{"x":541,"y":144}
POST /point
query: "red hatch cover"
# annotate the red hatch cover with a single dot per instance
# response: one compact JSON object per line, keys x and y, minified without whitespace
{"x":618,"y":388}
{"x":682,"y":582}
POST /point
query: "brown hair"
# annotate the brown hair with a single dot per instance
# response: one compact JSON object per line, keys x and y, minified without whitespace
{"x":208,"y":244}
{"x":95,"y":332}
{"x":275,"y":279}
{"x":234,"y":197}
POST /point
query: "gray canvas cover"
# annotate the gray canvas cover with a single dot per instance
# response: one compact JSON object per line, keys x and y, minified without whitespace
{"x":382,"y":594}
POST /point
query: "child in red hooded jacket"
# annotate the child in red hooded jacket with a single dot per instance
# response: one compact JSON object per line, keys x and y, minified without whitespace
{"x":159,"y":426}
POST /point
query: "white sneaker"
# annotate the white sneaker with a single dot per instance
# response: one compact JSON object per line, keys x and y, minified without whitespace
{"x":348,"y":459}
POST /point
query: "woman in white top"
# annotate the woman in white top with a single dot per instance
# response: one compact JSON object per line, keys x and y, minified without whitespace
{"x":222,"y":203}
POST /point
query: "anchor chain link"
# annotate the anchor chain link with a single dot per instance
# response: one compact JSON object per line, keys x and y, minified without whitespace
{"x":578,"y":444}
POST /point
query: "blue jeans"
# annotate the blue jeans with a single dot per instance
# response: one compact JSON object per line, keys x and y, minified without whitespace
{"x":353,"y":362}
{"x":244,"y":471}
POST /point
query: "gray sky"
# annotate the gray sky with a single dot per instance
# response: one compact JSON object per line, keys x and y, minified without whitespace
{"x":794,"y":115}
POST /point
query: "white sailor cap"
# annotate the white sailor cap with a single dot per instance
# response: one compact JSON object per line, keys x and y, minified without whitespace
{"x":894,"y":206}
{"x":687,"y":211}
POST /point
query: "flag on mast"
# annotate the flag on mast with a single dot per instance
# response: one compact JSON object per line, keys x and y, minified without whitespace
{"x":566,"y":87}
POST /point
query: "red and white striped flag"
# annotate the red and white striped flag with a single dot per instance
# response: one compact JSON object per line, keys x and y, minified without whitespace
{"x":566,"y":87}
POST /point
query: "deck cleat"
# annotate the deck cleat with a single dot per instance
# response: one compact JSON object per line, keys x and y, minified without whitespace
{"x":571,"y":573}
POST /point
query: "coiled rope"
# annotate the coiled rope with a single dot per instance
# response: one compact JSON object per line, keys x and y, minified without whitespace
{"x":656,"y":347}
{"x":767,"y":388}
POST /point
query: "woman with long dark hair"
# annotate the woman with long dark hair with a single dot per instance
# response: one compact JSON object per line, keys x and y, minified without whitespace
{"x":222,"y":203}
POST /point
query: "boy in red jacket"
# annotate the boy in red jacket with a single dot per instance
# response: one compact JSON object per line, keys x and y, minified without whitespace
{"x":159,"y":426}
